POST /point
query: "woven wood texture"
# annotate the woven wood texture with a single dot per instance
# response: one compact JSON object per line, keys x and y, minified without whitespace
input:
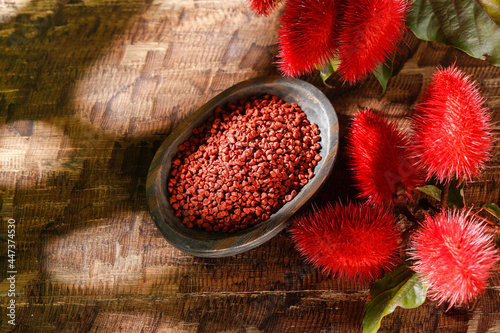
{"x":88,"y":91}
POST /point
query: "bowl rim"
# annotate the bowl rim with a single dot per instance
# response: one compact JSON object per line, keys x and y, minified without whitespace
{"x":224,"y":244}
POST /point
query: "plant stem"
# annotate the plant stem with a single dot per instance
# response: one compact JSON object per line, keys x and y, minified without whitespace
{"x":492,"y":227}
{"x":406,"y":234}
{"x":426,"y":205}
{"x":401,"y":204}
{"x":444,"y":194}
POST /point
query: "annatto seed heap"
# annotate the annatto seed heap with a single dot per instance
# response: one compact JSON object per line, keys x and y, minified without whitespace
{"x":243,"y":164}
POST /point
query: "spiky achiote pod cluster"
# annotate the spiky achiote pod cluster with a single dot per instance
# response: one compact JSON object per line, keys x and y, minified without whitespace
{"x":382,"y":168}
{"x":451,"y":137}
{"x":350,"y":241}
{"x":454,"y":255}
{"x":358,"y":33}
{"x":451,"y":127}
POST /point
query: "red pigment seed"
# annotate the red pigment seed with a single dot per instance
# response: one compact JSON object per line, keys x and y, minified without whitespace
{"x":243,"y":165}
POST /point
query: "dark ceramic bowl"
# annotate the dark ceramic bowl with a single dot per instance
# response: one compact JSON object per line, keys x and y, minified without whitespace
{"x":201,"y":243}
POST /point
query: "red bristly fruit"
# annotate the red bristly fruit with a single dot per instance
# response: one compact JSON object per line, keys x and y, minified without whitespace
{"x":307,"y":35}
{"x":262,"y":7}
{"x":451,"y":127}
{"x":351,"y":241}
{"x":380,"y":158}
{"x":370,"y":32}
{"x":454,"y":255}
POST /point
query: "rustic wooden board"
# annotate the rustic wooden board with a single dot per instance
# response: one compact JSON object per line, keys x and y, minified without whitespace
{"x":88,"y":91}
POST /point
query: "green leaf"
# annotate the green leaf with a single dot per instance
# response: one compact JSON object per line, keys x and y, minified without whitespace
{"x":492,"y":209}
{"x":431,"y":190}
{"x":492,"y":7}
{"x":383,"y":72}
{"x":470,"y":25}
{"x":328,"y":69}
{"x":401,"y":287}
{"x":325,"y":74}
{"x":455,"y":193}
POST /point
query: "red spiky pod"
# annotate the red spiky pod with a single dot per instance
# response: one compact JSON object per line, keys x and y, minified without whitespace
{"x":262,"y":7}
{"x":370,"y":32}
{"x":307,"y":35}
{"x":354,"y":241}
{"x":454,"y":255}
{"x":382,"y":168}
{"x":452,"y":127}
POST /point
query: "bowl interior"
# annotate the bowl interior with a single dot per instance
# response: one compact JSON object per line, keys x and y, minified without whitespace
{"x":218,"y":244}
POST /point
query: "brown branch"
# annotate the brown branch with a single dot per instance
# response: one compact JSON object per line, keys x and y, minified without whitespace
{"x":444,"y":194}
{"x":403,"y":209}
{"x":401,"y":204}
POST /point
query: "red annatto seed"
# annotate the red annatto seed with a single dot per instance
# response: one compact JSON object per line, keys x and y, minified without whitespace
{"x":243,"y":164}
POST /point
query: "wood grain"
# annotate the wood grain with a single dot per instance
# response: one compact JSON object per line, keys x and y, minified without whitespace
{"x":89,"y":90}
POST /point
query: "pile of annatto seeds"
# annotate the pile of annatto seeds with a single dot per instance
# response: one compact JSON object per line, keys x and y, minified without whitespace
{"x":243,"y":164}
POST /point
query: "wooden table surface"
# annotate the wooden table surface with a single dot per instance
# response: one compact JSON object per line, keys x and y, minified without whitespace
{"x":88,"y":91}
